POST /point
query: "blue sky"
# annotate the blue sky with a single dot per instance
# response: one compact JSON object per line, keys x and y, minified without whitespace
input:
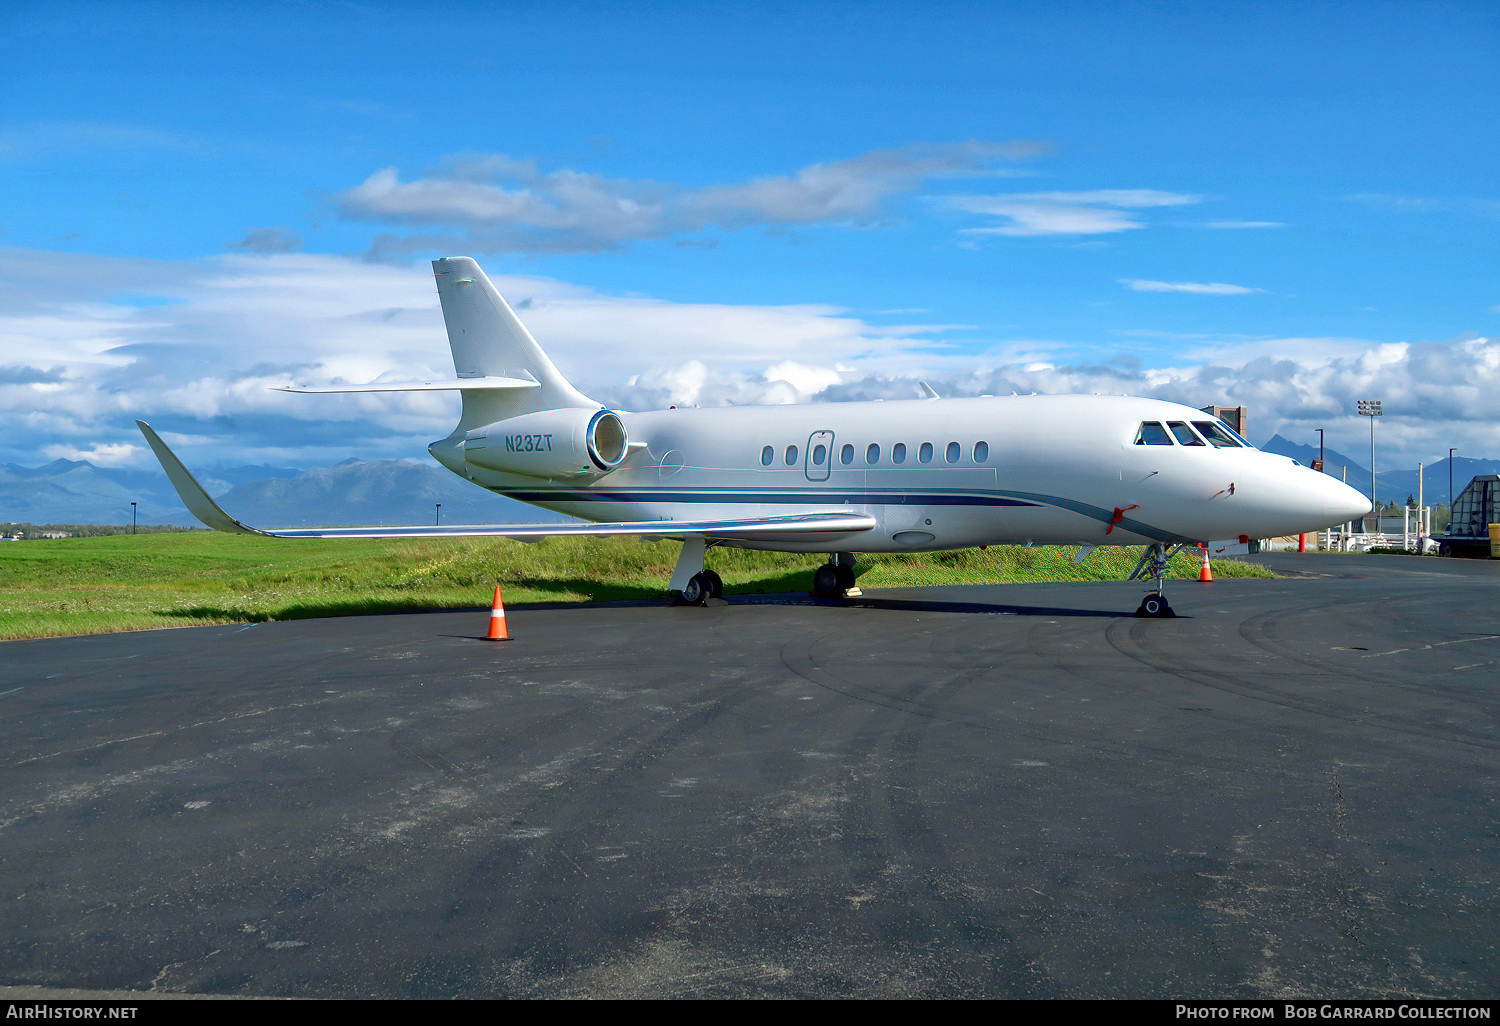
{"x":1288,"y":206}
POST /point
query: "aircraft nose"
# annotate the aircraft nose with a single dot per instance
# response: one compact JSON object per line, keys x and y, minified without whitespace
{"x":1341,"y":503}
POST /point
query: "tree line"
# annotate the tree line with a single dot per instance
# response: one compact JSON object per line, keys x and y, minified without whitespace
{"x":27,"y":531}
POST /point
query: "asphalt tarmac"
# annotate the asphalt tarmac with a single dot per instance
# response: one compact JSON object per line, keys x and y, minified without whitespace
{"x":1288,"y":791}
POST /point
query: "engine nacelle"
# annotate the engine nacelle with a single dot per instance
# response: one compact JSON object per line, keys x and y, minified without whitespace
{"x":553,"y":443}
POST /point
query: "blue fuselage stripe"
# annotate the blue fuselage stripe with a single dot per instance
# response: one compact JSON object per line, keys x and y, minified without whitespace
{"x":821,"y":499}
{"x":854,"y":498}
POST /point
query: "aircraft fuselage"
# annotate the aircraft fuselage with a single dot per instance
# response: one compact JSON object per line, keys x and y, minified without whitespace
{"x":945,"y":473}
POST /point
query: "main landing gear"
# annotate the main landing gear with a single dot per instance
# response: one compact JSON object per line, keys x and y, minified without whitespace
{"x":835,"y":579}
{"x":1153,"y":565}
{"x":701,"y":587}
{"x":693,"y":584}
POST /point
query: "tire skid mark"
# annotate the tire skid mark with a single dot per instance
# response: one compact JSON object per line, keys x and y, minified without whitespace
{"x":797,"y":657}
{"x":968,"y":925}
{"x":887,"y":868}
{"x":507,"y":876}
{"x":1260,"y":631}
{"x":1140,"y":647}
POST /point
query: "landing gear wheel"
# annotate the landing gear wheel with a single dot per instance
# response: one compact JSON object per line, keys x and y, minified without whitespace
{"x":699,"y":589}
{"x":715,"y":584}
{"x":826,"y":581}
{"x":1155,"y":606}
{"x":845,"y":576}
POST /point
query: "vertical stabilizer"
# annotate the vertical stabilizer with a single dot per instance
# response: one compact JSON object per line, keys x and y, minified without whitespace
{"x":489,"y":340}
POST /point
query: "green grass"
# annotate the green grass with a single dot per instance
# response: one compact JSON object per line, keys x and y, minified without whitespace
{"x":125,"y":582}
{"x":1012,"y":564}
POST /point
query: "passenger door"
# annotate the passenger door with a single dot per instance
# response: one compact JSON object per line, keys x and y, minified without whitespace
{"x":819,"y":455}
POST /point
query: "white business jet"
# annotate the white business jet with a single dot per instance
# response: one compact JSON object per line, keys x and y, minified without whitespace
{"x":898,"y":476}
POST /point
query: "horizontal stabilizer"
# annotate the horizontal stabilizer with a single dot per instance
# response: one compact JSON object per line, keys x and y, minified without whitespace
{"x":486,"y":384}
{"x":197,"y":501}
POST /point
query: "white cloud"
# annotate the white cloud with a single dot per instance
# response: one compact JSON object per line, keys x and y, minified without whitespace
{"x":805,"y":378}
{"x":88,"y":139}
{"x":1213,"y":288}
{"x":79,"y":364}
{"x":1387,"y":201}
{"x":273,"y":239}
{"x":204,"y":363}
{"x":101,"y":455}
{"x":1095,"y":212}
{"x":497,"y":203}
{"x":1436,"y":394}
{"x":1191,"y":336}
{"x":1428,"y":204}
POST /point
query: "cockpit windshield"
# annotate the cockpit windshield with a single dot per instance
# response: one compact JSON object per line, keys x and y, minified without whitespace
{"x":1184,"y":433}
{"x":1219,"y":436}
{"x":1237,"y":436}
{"x":1152,"y":433}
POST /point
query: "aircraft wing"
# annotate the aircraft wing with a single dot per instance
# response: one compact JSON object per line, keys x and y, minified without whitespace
{"x":197,"y":501}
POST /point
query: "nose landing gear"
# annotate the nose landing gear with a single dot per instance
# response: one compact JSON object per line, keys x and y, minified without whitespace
{"x":1153,"y":565}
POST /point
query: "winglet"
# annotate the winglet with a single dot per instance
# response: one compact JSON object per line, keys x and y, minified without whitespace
{"x":928,"y":392}
{"x":190,"y":491}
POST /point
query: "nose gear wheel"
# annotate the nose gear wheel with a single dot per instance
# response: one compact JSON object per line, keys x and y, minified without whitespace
{"x":1153,"y":566}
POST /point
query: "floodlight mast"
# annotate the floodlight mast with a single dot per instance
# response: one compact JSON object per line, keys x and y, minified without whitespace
{"x":1371,"y":408}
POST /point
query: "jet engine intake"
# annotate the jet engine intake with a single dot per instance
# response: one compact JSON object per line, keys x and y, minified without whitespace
{"x":552,"y":443}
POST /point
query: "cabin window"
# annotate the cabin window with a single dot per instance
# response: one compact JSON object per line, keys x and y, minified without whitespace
{"x":924,"y":453}
{"x":1152,"y":433}
{"x":872,"y":454}
{"x":898,"y":452}
{"x":1184,"y":433}
{"x":981,"y":452}
{"x":953,"y":452}
{"x":846,"y":455}
{"x":791,"y":455}
{"x":1217,"y":435}
{"x":819,"y":454}
{"x":766,"y":456}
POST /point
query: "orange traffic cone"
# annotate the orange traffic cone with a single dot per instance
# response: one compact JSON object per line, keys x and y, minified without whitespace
{"x":1204,"y":573}
{"x":497,"y":620}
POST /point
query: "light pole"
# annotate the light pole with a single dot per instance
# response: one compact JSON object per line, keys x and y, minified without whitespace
{"x":1371,"y":408}
{"x":132,"y":518}
{"x":1450,"y":480}
{"x":1319,"y":467}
